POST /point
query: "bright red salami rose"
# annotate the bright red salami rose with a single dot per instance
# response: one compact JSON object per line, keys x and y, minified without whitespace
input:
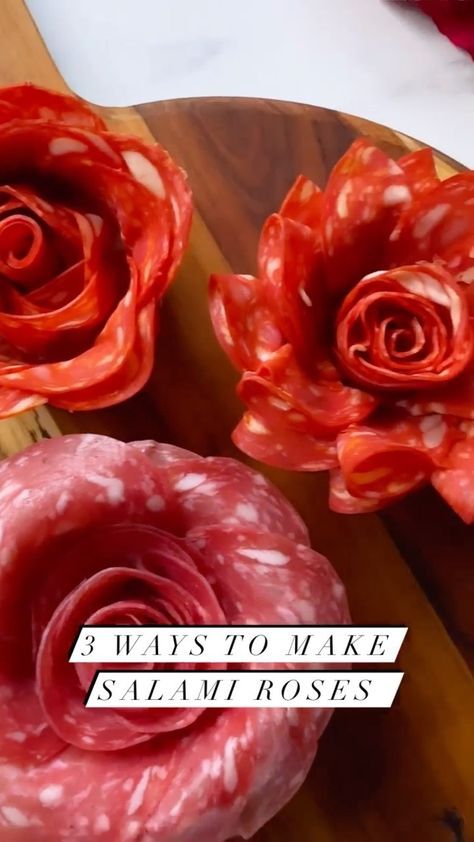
{"x":92,"y":228}
{"x":355,"y":340}
{"x":97,"y":531}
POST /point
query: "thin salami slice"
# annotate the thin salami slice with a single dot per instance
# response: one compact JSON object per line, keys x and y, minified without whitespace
{"x":303,"y":203}
{"x":26,"y":737}
{"x":162,"y":453}
{"x":290,"y":261}
{"x":108,"y":353}
{"x":456,"y":482}
{"x":458,"y":259}
{"x":344,"y":503}
{"x":281,"y":445}
{"x":154,"y":168}
{"x":129,"y":374}
{"x":322,"y":408}
{"x":392,"y":457}
{"x":60,"y":220}
{"x":244,"y":322}
{"x":420,"y":170}
{"x":13,"y":401}
{"x":38,"y":488}
{"x":456,"y":399}
{"x":66,"y":484}
{"x":144,"y":790}
{"x":234,"y":494}
{"x":434,"y":222}
{"x":29,"y":102}
{"x":269,"y":562}
{"x":364,"y":195}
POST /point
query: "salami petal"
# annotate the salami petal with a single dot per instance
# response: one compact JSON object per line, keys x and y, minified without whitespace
{"x":94,"y":490}
{"x":280,"y":386}
{"x":434,"y":222}
{"x":154,"y":168}
{"x":13,"y":401}
{"x":269,"y":562}
{"x":303,"y":203}
{"x":54,"y":149}
{"x":107,"y":354}
{"x":131,"y":373}
{"x":458,"y":259}
{"x":456,"y":482}
{"x":28,"y":102}
{"x":136,"y":546}
{"x":290,"y":262}
{"x":60,"y":220}
{"x":420,"y":170}
{"x":282,"y":445}
{"x":456,"y":399}
{"x":393,"y":456}
{"x":363,"y":197}
{"x":343,"y":502}
{"x":244,"y":497}
{"x":243,"y":321}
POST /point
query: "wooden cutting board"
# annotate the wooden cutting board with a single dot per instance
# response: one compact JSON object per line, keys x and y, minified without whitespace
{"x":380,"y":776}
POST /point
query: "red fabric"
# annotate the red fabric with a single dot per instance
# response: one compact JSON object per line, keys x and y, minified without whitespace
{"x":454,"y":18}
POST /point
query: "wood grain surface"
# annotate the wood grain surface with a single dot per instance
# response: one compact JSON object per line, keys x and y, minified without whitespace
{"x":403,"y":775}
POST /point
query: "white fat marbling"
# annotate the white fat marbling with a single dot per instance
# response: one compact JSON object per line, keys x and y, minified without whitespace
{"x":273,"y":557}
{"x":433,"y":430}
{"x":189,"y":481}
{"x":51,"y":795}
{"x":14,"y":816}
{"x":113,"y":487}
{"x":155,"y":503}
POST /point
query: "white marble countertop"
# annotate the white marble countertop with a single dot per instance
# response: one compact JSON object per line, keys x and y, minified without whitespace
{"x":374,"y":58}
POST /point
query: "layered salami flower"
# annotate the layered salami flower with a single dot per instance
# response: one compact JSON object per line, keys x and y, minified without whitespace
{"x":96,"y":531}
{"x":356,"y":338}
{"x":92,"y":228}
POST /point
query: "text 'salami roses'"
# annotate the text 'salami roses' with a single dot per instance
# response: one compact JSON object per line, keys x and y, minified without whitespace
{"x":100,"y":532}
{"x":92,"y":228}
{"x":356,"y":338}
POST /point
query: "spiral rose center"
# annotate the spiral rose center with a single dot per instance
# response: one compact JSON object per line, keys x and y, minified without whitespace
{"x":124,"y":574}
{"x":22,"y":250}
{"x":404,"y":329}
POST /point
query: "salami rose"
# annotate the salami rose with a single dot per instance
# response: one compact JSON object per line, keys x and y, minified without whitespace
{"x":355,"y":340}
{"x":92,"y":228}
{"x":97,"y":531}
{"x":405,"y":329}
